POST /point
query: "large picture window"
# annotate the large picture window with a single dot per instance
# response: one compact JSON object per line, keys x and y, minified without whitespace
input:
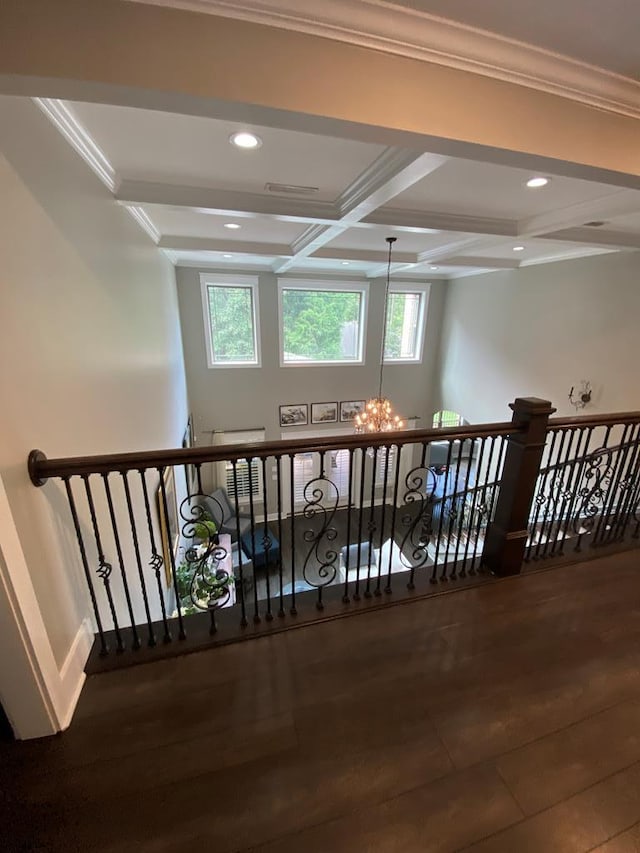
{"x":230,"y":305}
{"x":321,"y":322}
{"x":406,"y":312}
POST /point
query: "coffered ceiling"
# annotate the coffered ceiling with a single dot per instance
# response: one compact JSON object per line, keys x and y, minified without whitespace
{"x":186,"y":183}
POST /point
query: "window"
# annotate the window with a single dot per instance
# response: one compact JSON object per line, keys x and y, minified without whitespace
{"x":446,"y":418}
{"x":321,"y":322}
{"x":248,"y":476}
{"x":230,"y":306}
{"x":405,"y":322}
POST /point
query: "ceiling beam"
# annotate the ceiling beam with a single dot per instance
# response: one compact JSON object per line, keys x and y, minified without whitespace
{"x":430,"y":221}
{"x":208,"y":244}
{"x":599,"y":237}
{"x":372,"y":255}
{"x":226,"y":202}
{"x":390,"y":174}
{"x":605,"y":207}
{"x":481,"y":263}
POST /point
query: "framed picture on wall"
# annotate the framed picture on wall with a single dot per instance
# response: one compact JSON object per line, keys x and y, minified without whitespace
{"x":324,"y":413}
{"x":294,"y":414}
{"x":169,"y":527}
{"x":350,"y":408}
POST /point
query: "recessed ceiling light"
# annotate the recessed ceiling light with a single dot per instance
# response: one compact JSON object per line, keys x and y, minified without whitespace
{"x":434,"y":268}
{"x":518,"y":248}
{"x":537,"y":181}
{"x":232,"y":225}
{"x":346,"y":263}
{"x":245,"y":140}
{"x":227,"y":256}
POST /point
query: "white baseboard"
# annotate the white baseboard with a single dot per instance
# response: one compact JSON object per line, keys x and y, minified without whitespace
{"x":72,"y":675}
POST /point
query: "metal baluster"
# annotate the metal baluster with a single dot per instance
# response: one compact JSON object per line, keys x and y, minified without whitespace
{"x":136,"y":549}
{"x":543,"y":495}
{"x":583,"y":528}
{"x":382,"y":518}
{"x":604,"y":526}
{"x":356,"y":594}
{"x":392,"y":544}
{"x":266,"y":539}
{"x":104,"y":568}
{"x":172,"y":560}
{"x":565,"y":473}
{"x":575,"y":487}
{"x":345,"y":597}
{"x":443,"y":504}
{"x":371,"y":525}
{"x":243,"y":604}
{"x":632,"y":475}
{"x":485,"y":512}
{"x":116,"y":539}
{"x":453,"y":511}
{"x":157,"y":561}
{"x":278,"y":460}
{"x":553,"y":500}
{"x":256,"y":608}
{"x":293,"y":533}
{"x":474,"y":502}
{"x":104,"y":648}
{"x":319,"y":602}
{"x":462,"y":514}
{"x":426,"y":509}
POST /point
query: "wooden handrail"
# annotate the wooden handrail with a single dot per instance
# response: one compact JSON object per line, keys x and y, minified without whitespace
{"x":41,"y":468}
{"x":595,"y":420}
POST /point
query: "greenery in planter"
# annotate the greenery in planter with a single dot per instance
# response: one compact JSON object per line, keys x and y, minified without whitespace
{"x":209,"y":584}
{"x":205,"y":529}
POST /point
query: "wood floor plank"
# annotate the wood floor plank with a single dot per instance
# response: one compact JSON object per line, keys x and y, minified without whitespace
{"x":408,"y":729}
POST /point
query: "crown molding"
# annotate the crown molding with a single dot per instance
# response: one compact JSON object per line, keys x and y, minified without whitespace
{"x":384,"y":26}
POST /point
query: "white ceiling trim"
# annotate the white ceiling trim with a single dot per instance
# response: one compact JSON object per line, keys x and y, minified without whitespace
{"x":384,"y":26}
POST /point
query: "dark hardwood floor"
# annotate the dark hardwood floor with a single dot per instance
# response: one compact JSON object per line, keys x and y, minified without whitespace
{"x":499,"y":719}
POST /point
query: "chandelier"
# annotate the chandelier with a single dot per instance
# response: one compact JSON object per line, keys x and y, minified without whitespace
{"x":378,"y":414}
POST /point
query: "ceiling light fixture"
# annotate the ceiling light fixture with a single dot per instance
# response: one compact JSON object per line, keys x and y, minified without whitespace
{"x":245,"y":140}
{"x":227,"y":256}
{"x":346,"y":263}
{"x":233,"y":226}
{"x":518,"y":248}
{"x":378,"y":414}
{"x":434,"y":268}
{"x":537,"y":182}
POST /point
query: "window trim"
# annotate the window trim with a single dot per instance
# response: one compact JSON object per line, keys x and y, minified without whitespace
{"x":220,"y":280}
{"x":361,"y":287}
{"x":423,"y":288}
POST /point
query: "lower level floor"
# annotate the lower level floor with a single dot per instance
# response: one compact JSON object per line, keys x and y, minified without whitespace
{"x":497,"y":718}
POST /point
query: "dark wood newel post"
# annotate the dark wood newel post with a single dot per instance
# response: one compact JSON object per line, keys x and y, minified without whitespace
{"x":506,"y":537}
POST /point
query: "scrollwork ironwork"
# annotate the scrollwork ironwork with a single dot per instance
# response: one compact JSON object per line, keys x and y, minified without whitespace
{"x":321,"y":498}
{"x":421,"y":484}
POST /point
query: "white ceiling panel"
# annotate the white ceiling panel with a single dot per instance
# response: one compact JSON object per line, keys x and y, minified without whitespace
{"x":181,"y":222}
{"x":534,"y":250}
{"x":218,"y":259}
{"x":166,"y":147}
{"x":373,"y":238}
{"x":468,"y":188}
{"x":332,"y":265}
{"x":629,"y":224}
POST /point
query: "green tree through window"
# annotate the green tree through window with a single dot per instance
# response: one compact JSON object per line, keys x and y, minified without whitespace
{"x":321,"y":325}
{"x":232,"y":332}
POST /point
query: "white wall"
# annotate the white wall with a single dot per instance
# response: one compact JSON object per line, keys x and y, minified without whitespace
{"x":241,"y":398}
{"x":539,"y":330}
{"x":90,"y":347}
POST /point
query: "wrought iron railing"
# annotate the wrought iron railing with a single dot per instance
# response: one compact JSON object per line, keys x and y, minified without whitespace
{"x":211,"y":544}
{"x":588,"y":490}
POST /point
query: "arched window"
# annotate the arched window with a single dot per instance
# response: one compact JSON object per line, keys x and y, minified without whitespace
{"x":447,"y":418}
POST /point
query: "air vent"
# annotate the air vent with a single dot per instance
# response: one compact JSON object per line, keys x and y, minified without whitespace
{"x":290,"y":189}
{"x":595,"y":223}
